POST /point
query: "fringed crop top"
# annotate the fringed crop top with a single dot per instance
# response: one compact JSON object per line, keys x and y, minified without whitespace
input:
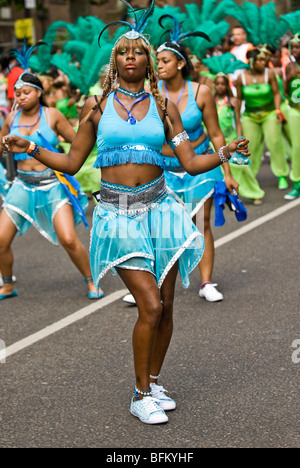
{"x":119,"y":142}
{"x":44,"y":128}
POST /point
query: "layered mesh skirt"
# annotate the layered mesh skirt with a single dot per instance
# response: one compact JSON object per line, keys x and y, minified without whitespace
{"x":34,"y":199}
{"x":144,"y":229}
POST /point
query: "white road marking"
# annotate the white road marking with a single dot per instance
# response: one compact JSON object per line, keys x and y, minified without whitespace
{"x":98,"y":305}
{"x":65,"y":322}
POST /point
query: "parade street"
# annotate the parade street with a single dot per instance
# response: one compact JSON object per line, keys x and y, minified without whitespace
{"x":233,"y":367}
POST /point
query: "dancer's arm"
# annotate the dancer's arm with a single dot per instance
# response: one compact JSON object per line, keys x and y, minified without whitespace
{"x":196,"y":164}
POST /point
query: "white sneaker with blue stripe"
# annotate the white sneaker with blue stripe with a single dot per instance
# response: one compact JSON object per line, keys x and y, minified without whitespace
{"x":148,"y":411}
{"x":159,"y":393}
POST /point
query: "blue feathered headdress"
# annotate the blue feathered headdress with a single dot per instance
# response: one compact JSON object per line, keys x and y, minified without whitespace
{"x":23,"y":55}
{"x":176,"y":33}
{"x":139,"y":25}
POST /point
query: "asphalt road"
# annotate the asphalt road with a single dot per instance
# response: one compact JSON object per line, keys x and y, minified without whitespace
{"x":229,"y":367}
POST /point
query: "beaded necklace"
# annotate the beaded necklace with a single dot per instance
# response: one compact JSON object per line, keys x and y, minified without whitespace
{"x":131,"y":93}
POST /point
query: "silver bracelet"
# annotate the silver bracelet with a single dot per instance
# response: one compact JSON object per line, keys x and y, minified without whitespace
{"x":178,"y":139}
{"x":222,"y":156}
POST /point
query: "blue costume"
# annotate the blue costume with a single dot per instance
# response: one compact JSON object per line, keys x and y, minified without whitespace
{"x":4,"y":183}
{"x":35,"y":197}
{"x":194,"y":191}
{"x":142,"y":228}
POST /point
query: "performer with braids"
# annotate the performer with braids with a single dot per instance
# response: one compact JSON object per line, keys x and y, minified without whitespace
{"x":37,"y":197}
{"x":139,"y":230}
{"x":293,"y":90}
{"x":259,"y":89}
{"x":196,"y":105}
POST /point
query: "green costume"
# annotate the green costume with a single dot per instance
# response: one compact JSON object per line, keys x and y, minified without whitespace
{"x":259,"y":123}
{"x":294,"y":127}
{"x":248,"y":184}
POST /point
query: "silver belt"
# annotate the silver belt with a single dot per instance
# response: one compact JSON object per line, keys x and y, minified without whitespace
{"x":37,"y":178}
{"x":132,"y":199}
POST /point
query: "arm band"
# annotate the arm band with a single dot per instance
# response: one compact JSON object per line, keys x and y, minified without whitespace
{"x":178,"y":139}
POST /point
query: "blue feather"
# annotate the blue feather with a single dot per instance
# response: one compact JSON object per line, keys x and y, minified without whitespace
{"x":24,"y":55}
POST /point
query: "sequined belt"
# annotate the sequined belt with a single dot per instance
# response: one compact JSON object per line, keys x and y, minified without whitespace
{"x":37,"y":178}
{"x":132,"y":198}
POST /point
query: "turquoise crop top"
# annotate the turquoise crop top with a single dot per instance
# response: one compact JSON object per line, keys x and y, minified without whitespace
{"x":119,"y":142}
{"x":44,"y":128}
{"x":192,"y":117}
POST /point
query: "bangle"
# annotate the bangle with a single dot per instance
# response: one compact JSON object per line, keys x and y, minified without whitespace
{"x":222,"y":156}
{"x":35,"y":150}
{"x":31,"y":148}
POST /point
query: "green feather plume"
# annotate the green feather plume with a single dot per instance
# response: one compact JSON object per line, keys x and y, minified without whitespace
{"x":226,"y":63}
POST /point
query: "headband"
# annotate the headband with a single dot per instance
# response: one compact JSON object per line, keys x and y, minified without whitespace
{"x":165,"y":46}
{"x":20,"y":83}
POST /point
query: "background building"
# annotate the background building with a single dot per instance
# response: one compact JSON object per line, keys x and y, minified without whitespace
{"x":47,"y":11}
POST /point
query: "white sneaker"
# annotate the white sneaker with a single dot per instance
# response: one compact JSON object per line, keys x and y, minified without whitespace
{"x":158,"y":392}
{"x":129,"y":299}
{"x":210,"y":293}
{"x":148,"y":411}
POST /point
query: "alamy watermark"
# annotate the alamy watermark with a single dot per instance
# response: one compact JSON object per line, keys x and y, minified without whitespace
{"x":295,"y":98}
{"x":296,"y":353}
{"x":2,"y":352}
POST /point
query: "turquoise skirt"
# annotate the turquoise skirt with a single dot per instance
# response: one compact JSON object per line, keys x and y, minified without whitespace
{"x":194,"y":191}
{"x":4,"y":183}
{"x":145,"y":229}
{"x":34,"y":199}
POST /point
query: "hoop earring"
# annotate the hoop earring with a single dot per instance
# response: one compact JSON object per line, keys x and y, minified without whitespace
{"x":148,"y":74}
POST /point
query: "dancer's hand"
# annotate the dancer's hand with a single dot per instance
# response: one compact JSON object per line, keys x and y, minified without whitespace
{"x":231,"y":184}
{"x":240,"y":145}
{"x":15,"y":144}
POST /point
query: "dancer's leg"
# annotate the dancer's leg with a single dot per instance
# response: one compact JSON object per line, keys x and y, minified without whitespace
{"x":142,"y":285}
{"x":206,"y":265}
{"x":165,"y":328}
{"x":8,"y":232}
{"x":64,"y":226}
{"x":274,"y":140}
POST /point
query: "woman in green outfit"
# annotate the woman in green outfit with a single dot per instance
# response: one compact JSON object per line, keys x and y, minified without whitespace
{"x":259,"y":89}
{"x":230,"y":123}
{"x":293,"y":89}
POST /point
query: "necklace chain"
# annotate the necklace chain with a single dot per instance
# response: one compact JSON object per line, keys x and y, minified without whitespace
{"x":131,"y":93}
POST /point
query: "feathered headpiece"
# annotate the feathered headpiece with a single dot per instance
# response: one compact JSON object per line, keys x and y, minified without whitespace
{"x":23,"y":57}
{"x":139,"y":25}
{"x":177,"y":36}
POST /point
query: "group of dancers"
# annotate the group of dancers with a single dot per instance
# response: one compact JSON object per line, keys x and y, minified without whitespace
{"x":150,"y":189}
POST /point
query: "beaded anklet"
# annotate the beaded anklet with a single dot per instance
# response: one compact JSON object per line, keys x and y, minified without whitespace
{"x":153,"y":377}
{"x":7,"y":279}
{"x":138,"y":392}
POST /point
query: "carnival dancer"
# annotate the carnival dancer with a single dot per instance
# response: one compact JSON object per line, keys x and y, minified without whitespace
{"x":37,"y":197}
{"x":259,"y":89}
{"x":129,"y":125}
{"x":293,"y":90}
{"x":197,"y":106}
{"x":230,"y":123}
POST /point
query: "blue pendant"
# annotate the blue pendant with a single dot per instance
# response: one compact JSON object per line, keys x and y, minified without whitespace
{"x":132,"y":121}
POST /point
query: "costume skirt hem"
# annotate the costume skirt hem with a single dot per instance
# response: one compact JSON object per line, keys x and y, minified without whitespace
{"x":118,"y":263}
{"x":31,"y":221}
